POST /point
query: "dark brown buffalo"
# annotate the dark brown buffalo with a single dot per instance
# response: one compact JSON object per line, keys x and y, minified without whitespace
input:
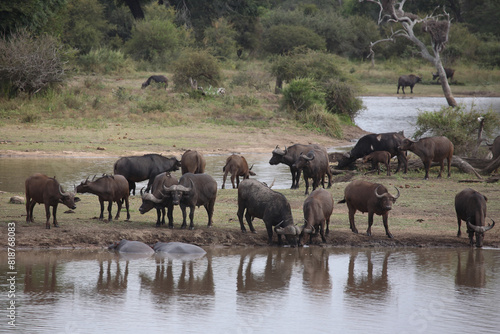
{"x":146,"y":167}
{"x":377,"y":158}
{"x":47,"y":190}
{"x":368,"y":197}
{"x":449,"y":74}
{"x":431,"y":149}
{"x":408,"y":80}
{"x":192,"y":162}
{"x":288,"y":157}
{"x":318,"y":208}
{"x":110,"y":188}
{"x":156,"y":199}
{"x":390,"y":142}
{"x":257,"y":200}
{"x":314,"y":165}
{"x":237,"y":166}
{"x":194,"y":190}
{"x":470,"y":207}
{"x":161,"y":79}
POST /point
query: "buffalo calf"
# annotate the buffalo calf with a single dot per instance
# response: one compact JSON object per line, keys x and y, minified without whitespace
{"x":368,"y":197}
{"x":377,"y":158}
{"x":431,"y":149}
{"x":47,"y":190}
{"x":237,"y":166}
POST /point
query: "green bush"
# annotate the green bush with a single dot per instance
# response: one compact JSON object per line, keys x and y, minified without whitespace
{"x":301,"y":94}
{"x":340,"y":98}
{"x":197,"y":65}
{"x":458,"y":125}
{"x":105,"y":61}
{"x":29,"y":64}
{"x":282,"y":39}
{"x":220,"y":39}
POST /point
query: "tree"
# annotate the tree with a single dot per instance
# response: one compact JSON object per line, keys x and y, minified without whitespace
{"x":436,"y":25}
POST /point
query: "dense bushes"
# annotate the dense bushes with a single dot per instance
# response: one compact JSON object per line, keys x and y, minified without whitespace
{"x":196,"y":65}
{"x":29,"y":64}
{"x":459,"y":125}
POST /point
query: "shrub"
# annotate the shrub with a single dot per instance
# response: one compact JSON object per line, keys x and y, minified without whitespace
{"x":29,"y":64}
{"x":301,"y":94}
{"x":220,"y":39}
{"x":340,"y":98}
{"x":104,"y":61}
{"x":282,"y":39}
{"x":197,"y":65}
{"x":458,"y":124}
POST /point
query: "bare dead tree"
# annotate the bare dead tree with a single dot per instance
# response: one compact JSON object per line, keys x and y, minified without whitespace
{"x":436,"y":25}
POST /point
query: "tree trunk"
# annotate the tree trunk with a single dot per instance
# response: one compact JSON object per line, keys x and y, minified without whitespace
{"x":135,"y":9}
{"x":445,"y":85}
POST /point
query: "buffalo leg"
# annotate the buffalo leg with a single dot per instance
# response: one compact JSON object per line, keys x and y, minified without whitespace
{"x":352,"y":211}
{"x":183,"y":209}
{"x":159,"y":216}
{"x":119,"y":204}
{"x":233,"y":176}
{"x":224,"y":179}
{"x":249,"y":220}
{"x":47,"y":215}
{"x":170,"y":210}
{"x":370,"y":223}
{"x":427,"y":166}
{"x":441,"y":168}
{"x":127,"y":207}
{"x":386,"y":225}
{"x":459,"y":222}
{"x":237,"y":181}
{"x":54,"y":214}
{"x":32,"y":204}
{"x":306,"y":181}
{"x":101,"y":216}
{"x":191,"y":217}
{"x":388,"y":167}
{"x":327,"y":226}
{"x":110,"y":206}
{"x":449,"y":166}
{"x":241,"y":211}
{"x":210,"y":212}
{"x":322,"y":232}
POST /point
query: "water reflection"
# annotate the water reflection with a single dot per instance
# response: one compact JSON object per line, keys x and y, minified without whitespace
{"x":253,"y":289}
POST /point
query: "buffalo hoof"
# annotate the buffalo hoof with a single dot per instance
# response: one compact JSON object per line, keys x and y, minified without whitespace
{"x":171,"y":226}
{"x":191,"y":227}
{"x":183,"y":227}
{"x":390,"y":235}
{"x":254,"y":232}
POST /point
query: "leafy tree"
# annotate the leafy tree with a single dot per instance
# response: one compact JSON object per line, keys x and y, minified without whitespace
{"x":301,"y":94}
{"x":282,"y":39}
{"x":30,"y":14}
{"x":341,"y":98}
{"x":85,"y":25}
{"x":196,"y":65}
{"x":220,"y":39}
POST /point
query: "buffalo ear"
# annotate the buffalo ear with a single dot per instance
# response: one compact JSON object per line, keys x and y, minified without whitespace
{"x":77,"y":199}
{"x":485,"y":198}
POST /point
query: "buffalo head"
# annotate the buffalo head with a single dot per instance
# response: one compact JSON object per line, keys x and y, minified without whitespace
{"x":386,"y":199}
{"x":177,"y":191}
{"x":479,"y":231}
{"x":291,"y":232}
{"x":278,"y":155}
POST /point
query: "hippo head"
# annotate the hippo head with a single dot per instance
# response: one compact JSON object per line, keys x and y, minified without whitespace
{"x":479,"y":231}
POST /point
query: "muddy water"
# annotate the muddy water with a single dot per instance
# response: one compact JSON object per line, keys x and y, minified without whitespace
{"x":250,"y":290}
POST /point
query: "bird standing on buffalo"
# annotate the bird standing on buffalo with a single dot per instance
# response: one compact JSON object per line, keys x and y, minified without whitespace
{"x":368,"y":197}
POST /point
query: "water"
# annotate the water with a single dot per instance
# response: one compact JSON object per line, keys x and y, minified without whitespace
{"x":257,"y":290}
{"x":390,"y":114}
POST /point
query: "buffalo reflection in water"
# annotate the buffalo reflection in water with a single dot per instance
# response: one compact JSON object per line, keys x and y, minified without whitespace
{"x":471,"y":273}
{"x":373,"y":283}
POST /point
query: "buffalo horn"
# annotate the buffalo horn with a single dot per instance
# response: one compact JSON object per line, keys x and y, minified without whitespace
{"x":376,"y":193}
{"x":176,"y":187}
{"x":141,"y":190}
{"x":399,"y":194}
{"x":61,"y":191}
{"x":278,"y":151}
{"x":150,"y":197}
{"x":289,"y":230}
{"x":480,"y":229}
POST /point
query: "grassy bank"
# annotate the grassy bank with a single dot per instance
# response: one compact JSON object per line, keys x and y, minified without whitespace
{"x":423,"y":216}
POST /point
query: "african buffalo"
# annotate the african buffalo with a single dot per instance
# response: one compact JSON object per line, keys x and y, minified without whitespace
{"x":47,"y":190}
{"x":192,"y":162}
{"x":288,"y":157}
{"x":237,"y":166}
{"x":408,"y":80}
{"x":193,"y":190}
{"x":470,"y":207}
{"x":377,"y":158}
{"x":389,"y":141}
{"x":318,"y":208}
{"x":156,"y":199}
{"x":127,"y":246}
{"x":431,"y":149}
{"x":140,"y":168}
{"x":449,"y":74}
{"x":314,"y":165}
{"x":255,"y":199}
{"x":110,"y":188}
{"x":368,"y":197}
{"x":155,"y":78}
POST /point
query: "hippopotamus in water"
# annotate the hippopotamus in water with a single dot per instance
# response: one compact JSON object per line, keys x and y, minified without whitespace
{"x":178,"y":250}
{"x":131,"y":247}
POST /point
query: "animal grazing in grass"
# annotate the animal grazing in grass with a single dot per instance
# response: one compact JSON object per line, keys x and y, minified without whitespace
{"x":159,"y":79}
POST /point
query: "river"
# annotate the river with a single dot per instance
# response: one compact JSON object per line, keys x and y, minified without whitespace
{"x":257,"y":290}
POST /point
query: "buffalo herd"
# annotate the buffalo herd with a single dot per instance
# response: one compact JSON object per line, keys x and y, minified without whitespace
{"x":256,"y":199}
